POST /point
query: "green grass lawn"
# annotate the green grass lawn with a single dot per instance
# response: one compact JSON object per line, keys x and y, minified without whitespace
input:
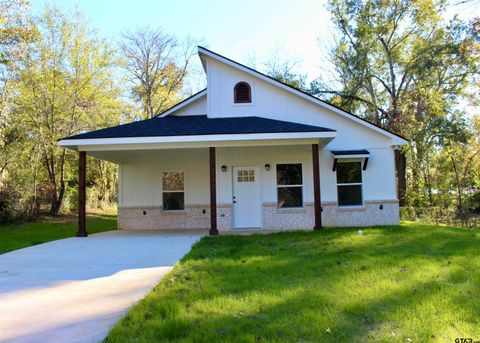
{"x":415,"y":283}
{"x":16,"y":236}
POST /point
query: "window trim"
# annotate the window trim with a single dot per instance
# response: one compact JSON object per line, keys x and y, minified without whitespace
{"x":302,"y":186}
{"x":235,"y":102}
{"x":350,"y":160}
{"x":184,"y":190}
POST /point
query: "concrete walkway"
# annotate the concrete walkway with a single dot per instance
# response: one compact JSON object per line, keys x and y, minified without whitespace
{"x":75,"y":289}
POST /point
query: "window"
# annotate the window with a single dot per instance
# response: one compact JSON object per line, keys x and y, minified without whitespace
{"x":173,"y":191}
{"x":242,"y":93}
{"x":349,"y":183}
{"x":246,"y":175}
{"x":289,"y":185}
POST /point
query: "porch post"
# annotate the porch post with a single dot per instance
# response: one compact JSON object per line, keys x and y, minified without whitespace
{"x":316,"y":188}
{"x":82,"y":161}
{"x":213,"y":192}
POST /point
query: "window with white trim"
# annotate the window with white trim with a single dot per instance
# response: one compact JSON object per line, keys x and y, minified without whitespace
{"x":349,"y":183}
{"x":289,"y":185}
{"x":173,"y":191}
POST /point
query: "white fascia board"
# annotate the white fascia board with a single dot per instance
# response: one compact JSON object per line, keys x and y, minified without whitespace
{"x":196,"y":138}
{"x":397,"y":140}
{"x":183,"y":103}
{"x":137,"y":143}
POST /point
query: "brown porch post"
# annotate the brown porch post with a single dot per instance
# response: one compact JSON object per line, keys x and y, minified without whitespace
{"x":316,"y":188}
{"x":213,"y":192}
{"x":82,"y":161}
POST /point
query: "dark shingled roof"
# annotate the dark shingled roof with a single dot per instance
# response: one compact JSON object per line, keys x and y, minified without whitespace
{"x":198,"y":125}
{"x":350,"y":152}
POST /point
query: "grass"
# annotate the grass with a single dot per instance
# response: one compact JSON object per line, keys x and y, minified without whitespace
{"x":17,"y":236}
{"x":409,"y":283}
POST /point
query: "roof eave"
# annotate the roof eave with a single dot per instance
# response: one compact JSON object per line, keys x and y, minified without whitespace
{"x":134,"y":143}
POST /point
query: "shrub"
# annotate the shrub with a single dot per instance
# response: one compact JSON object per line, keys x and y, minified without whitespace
{"x":474,"y":202}
{"x":7,"y":209}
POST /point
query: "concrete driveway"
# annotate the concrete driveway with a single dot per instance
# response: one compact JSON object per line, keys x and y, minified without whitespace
{"x":75,"y":289}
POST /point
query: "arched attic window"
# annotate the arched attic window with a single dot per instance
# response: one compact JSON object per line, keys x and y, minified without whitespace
{"x":242,"y":93}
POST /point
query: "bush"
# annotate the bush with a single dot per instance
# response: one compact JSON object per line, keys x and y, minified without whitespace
{"x":474,"y":202}
{"x":7,"y":210}
{"x":432,"y":215}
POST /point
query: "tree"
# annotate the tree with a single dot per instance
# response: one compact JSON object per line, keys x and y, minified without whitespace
{"x":157,"y":64}
{"x":281,"y":67}
{"x":460,"y":157}
{"x":16,"y":32}
{"x":64,"y":87}
{"x":400,"y":66}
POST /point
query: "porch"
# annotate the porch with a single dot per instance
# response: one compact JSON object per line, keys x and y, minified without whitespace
{"x":220,"y":174}
{"x":220,"y":188}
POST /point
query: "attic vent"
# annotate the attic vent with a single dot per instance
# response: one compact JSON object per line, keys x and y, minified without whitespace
{"x":242,"y":93}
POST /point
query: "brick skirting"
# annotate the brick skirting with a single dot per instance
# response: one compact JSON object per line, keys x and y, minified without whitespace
{"x":378,"y":212}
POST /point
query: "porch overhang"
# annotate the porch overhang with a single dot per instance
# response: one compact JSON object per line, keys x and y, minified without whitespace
{"x":111,"y":149}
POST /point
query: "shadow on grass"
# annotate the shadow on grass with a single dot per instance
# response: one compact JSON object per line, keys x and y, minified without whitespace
{"x":389,"y":284}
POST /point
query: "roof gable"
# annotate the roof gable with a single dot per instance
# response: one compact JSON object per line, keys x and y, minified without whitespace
{"x":185,"y":102}
{"x":205,"y":54}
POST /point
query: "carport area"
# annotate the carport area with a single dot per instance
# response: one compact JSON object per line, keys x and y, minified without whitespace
{"x":75,"y":289}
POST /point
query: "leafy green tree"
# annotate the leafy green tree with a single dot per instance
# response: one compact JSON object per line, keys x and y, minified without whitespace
{"x":66,"y":86}
{"x":459,"y":159}
{"x":16,"y":32}
{"x":401,"y":67}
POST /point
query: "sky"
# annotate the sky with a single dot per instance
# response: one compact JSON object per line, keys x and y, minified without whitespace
{"x":245,"y":31}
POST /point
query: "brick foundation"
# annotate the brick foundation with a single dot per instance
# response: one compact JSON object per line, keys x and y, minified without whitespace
{"x":368,"y":215}
{"x":193,"y":217}
{"x":154,"y":218}
{"x":224,"y":217}
{"x":288,"y":219}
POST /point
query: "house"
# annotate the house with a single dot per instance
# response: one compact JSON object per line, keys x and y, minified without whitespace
{"x":247,"y":152}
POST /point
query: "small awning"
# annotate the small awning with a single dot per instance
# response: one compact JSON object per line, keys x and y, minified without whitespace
{"x":350,"y":153}
{"x":344,"y":154}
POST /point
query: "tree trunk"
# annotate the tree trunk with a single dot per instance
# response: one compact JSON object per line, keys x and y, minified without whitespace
{"x":59,"y":192}
{"x":401,"y":171}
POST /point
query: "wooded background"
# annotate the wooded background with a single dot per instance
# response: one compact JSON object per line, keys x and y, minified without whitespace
{"x":397,"y":63}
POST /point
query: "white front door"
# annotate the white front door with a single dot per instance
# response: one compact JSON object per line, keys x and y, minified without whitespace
{"x":247,"y":209}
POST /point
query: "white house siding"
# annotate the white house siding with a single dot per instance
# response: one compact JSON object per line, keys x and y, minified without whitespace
{"x":275,"y":103}
{"x":140,"y":189}
{"x":198,"y":107}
